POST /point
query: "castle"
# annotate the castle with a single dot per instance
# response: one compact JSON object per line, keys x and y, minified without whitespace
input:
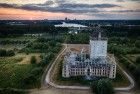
{"x":96,"y":63}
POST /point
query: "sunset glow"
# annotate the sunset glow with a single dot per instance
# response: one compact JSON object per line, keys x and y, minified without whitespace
{"x":59,"y":9}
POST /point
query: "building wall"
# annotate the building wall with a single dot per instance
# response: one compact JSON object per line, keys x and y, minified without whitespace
{"x":107,"y":71}
{"x":112,"y":71}
{"x":98,"y":48}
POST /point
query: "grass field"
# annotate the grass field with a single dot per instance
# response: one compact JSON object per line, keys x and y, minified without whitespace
{"x":13,"y":71}
{"x":18,"y":71}
{"x":10,"y":42}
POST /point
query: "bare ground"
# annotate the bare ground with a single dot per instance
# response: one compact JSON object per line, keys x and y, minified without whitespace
{"x":60,"y":91}
{"x":71,"y":91}
{"x":27,"y":58}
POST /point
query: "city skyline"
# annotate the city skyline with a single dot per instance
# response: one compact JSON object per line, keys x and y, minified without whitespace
{"x":59,"y":9}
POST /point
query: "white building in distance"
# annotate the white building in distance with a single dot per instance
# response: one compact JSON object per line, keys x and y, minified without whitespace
{"x":70,"y":25}
{"x":95,"y":64}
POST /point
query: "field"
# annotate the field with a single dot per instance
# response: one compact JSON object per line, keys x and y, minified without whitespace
{"x":16,"y":43}
{"x":14,"y":70}
{"x":18,"y":71}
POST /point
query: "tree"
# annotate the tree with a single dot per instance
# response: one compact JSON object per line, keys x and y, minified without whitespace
{"x":10,"y":91}
{"x":102,"y":86}
{"x":6,"y":53}
{"x":138,"y":60}
{"x":137,"y":43}
{"x":10,"y":53}
{"x":33,"y":60}
{"x":137,"y":72}
{"x":2,"y":52}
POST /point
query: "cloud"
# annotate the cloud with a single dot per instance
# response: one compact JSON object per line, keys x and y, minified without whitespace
{"x":123,"y":11}
{"x":61,"y":7}
{"x":4,"y":5}
{"x":120,"y":1}
{"x":89,"y":6}
{"x":138,"y":1}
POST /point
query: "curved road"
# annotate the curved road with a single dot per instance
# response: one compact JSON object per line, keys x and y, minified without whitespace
{"x":132,"y":82}
{"x":48,"y":81}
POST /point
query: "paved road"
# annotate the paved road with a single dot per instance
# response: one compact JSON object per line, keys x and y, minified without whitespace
{"x":47,"y":80}
{"x":132,"y":82}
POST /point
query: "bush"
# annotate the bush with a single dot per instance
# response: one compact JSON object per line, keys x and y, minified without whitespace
{"x":10,"y":53}
{"x":33,"y":60}
{"x":131,"y":67}
{"x":137,"y":43}
{"x":6,"y":53}
{"x":138,"y":60}
{"x":137,"y":72}
{"x":9,"y":91}
{"x":37,"y":71}
{"x":33,"y":78}
{"x":2,"y":52}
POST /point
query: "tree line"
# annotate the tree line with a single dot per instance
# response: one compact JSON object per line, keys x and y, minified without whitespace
{"x":122,"y":31}
{"x":30,"y":29}
{"x":4,"y":53}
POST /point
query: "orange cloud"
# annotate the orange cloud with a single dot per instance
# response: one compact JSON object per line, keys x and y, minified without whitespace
{"x":19,"y":14}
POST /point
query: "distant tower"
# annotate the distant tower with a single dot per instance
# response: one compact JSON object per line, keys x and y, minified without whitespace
{"x":98,"y":45}
{"x":66,"y":19}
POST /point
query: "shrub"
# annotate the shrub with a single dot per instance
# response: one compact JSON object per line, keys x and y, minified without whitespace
{"x":33,"y":60}
{"x":138,"y":60}
{"x":6,"y":53}
{"x":10,"y":53}
{"x":9,"y":91}
{"x":2,"y":52}
{"x":102,"y":86}
{"x":131,"y":67}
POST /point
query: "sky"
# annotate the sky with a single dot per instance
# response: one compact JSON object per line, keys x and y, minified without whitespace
{"x":72,"y":9}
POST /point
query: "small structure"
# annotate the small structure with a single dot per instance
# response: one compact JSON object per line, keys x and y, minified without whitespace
{"x":96,"y":64}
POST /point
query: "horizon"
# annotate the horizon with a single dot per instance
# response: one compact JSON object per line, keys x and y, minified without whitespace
{"x":71,"y":20}
{"x":74,"y":9}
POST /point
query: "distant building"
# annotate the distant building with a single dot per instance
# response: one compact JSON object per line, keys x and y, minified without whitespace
{"x":74,"y":28}
{"x":96,"y":64}
{"x":70,"y":25}
{"x":66,"y":19}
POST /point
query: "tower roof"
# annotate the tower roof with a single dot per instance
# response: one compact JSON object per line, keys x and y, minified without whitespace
{"x":98,"y":34}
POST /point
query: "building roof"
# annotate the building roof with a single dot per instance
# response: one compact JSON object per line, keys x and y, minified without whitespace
{"x":78,"y":61}
{"x":94,"y":63}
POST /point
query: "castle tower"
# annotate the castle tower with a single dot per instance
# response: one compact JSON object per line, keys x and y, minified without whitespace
{"x":98,"y":45}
